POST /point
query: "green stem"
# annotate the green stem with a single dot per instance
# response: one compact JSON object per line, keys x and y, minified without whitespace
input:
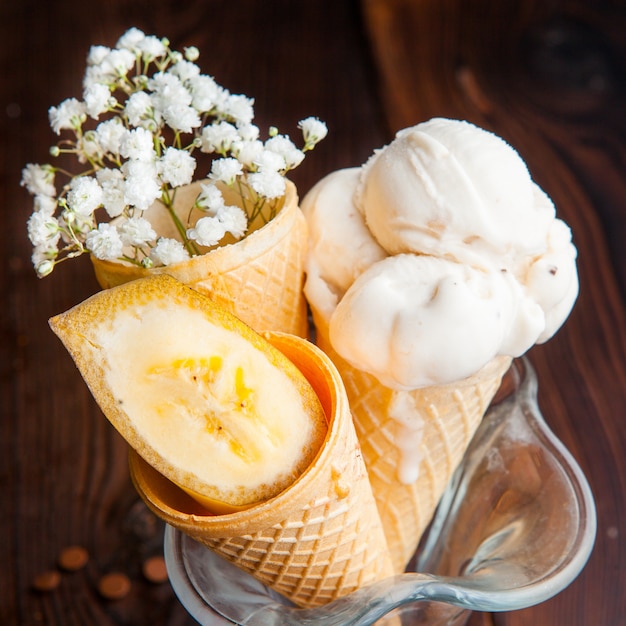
{"x":189,"y":245}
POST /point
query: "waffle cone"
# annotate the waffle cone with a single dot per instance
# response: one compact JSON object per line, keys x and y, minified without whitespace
{"x":259,"y":278}
{"x":316,"y":541}
{"x":450,"y":413}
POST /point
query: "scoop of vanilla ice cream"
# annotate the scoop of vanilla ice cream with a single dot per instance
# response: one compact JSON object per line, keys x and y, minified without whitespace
{"x":437,"y":255}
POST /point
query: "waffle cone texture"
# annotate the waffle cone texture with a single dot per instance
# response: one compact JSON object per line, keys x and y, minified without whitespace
{"x":259,"y":278}
{"x":318,"y":540}
{"x":450,"y":415}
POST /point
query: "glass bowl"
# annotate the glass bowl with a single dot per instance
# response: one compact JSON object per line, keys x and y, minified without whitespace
{"x":515,"y":526}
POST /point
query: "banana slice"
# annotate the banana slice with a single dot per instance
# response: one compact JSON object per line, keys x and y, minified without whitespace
{"x":201,"y":396}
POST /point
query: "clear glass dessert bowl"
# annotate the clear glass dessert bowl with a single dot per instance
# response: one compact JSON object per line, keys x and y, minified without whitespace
{"x":515,"y":526}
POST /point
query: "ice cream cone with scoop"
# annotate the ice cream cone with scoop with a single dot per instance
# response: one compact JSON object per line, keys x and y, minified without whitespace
{"x":244,"y":442}
{"x":429,"y":268}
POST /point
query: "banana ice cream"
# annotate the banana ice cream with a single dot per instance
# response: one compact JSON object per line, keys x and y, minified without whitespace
{"x":429,"y":268}
{"x":437,"y":255}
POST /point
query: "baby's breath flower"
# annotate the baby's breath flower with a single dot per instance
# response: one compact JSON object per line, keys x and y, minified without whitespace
{"x":136,"y":231}
{"x":138,"y":145}
{"x":234,"y":220}
{"x":85,"y":195}
{"x":113,"y":191}
{"x":181,"y":117}
{"x":97,"y":99}
{"x":151,"y":48}
{"x":142,"y":187}
{"x":97,"y":54}
{"x":145,"y":110}
{"x":282,"y":145}
{"x":208,"y":231}
{"x":43,"y":229}
{"x":206,"y":94}
{"x":268,"y":184}
{"x":139,"y":108}
{"x":313,"y":131}
{"x":38,"y":179}
{"x":69,"y":115}
{"x":185,"y":70}
{"x":176,"y":167}
{"x":226,"y":170}
{"x":168,"y":251}
{"x":104,"y":243}
{"x":269,"y":161}
{"x":239,"y":108}
{"x":218,"y":137}
{"x":131,"y":39}
{"x":210,"y":198}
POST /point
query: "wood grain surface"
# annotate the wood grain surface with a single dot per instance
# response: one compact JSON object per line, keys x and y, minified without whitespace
{"x":550,"y":77}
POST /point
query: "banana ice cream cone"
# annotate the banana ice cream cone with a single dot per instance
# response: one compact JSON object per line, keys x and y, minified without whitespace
{"x":319,"y":539}
{"x":411,"y":462}
{"x":259,"y":278}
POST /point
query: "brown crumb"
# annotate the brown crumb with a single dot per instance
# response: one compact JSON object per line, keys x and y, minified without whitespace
{"x":73,"y":558}
{"x":47,"y":581}
{"x":114,"y":586}
{"x":154,"y":569}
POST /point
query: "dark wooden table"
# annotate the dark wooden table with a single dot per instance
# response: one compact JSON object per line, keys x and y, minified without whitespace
{"x":548,"y":76}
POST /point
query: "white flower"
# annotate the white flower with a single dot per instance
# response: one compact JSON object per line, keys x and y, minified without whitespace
{"x":269,"y":161}
{"x":89,"y":147}
{"x":282,"y":145}
{"x":268,"y":184}
{"x":181,"y":117}
{"x":185,"y":70}
{"x":139,"y":109}
{"x":110,"y":134}
{"x":117,"y":64}
{"x":210,"y":197}
{"x":234,"y":220}
{"x":45,"y":204}
{"x":138,"y":145}
{"x":113,"y":190}
{"x":159,"y":111}
{"x":38,"y":179}
{"x":176,"y":167}
{"x":225,"y":170}
{"x":207,"y":232}
{"x":142,"y":185}
{"x":218,"y":137}
{"x":104,"y":243}
{"x":97,"y":54}
{"x":248,"y":152}
{"x":136,"y":231}
{"x":151,"y":48}
{"x":168,"y":251}
{"x":168,"y":90}
{"x":97,"y":99}
{"x":131,"y":39}
{"x":43,"y":229}
{"x":313,"y":131}
{"x":85,"y":195}
{"x":206,"y":94}
{"x":69,"y":115}
{"x":239,"y":108}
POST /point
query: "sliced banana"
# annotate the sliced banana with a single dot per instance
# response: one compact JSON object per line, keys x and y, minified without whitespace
{"x":201,"y":396}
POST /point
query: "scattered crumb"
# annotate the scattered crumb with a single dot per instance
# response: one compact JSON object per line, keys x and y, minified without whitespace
{"x":154,"y":569}
{"x":73,"y":558}
{"x":114,"y":586}
{"x":47,"y":581}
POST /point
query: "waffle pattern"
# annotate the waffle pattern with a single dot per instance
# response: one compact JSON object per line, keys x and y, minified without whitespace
{"x":450,"y":415}
{"x":318,"y":540}
{"x":259,"y":279}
